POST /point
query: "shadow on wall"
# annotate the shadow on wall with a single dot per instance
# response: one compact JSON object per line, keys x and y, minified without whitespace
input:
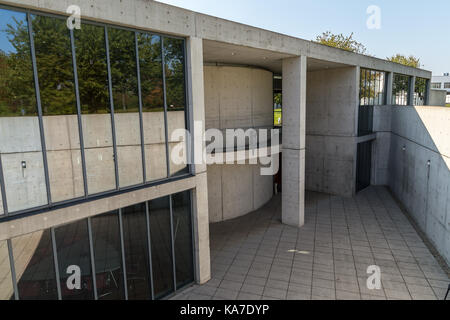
{"x":412,"y":156}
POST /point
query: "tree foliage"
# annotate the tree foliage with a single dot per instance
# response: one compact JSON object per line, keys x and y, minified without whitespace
{"x":410,"y":61}
{"x":341,"y":41}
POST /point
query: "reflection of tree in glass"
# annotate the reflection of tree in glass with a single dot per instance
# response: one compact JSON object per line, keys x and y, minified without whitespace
{"x":16,"y":74}
{"x":174,"y":68}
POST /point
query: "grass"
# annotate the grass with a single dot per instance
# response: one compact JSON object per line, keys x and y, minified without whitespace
{"x":448,"y":105}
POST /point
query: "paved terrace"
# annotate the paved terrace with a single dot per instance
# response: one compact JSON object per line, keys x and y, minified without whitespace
{"x":257,"y":257}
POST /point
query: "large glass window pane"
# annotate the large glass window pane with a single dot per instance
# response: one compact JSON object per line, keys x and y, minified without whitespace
{"x":420,"y":91}
{"x":161,"y":246}
{"x":6,"y":285}
{"x":72,"y":243}
{"x":34,"y":266}
{"x":136,"y":252}
{"x":126,"y":106}
{"x":20,"y":143}
{"x":150,"y":65}
{"x":57,"y":91}
{"x":182,"y":234}
{"x":108,"y":256}
{"x":96,"y":119}
{"x":400,"y":90}
{"x":176,"y":103}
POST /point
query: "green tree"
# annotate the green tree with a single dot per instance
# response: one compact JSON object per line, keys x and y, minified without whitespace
{"x":410,"y":61}
{"x":340,"y":41}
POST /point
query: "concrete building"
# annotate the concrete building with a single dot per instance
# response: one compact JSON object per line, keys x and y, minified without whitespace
{"x":87,"y":176}
{"x":442,"y":83}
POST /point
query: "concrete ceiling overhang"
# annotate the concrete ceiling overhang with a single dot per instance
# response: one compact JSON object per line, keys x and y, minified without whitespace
{"x":220,"y":53}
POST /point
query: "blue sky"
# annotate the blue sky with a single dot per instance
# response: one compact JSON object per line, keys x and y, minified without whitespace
{"x":417,"y":27}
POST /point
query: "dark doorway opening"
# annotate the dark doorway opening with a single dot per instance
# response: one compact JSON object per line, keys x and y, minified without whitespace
{"x":364,"y":165}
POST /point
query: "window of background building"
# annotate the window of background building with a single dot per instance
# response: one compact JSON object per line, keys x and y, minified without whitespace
{"x":95,"y":107}
{"x":173,"y":51}
{"x":152,"y":91}
{"x":34,"y":266}
{"x":446,"y":85}
{"x":400,"y":90}
{"x":57,"y":92}
{"x":122,"y":55}
{"x":420,"y":91}
{"x":20,"y":143}
{"x":436,"y":85}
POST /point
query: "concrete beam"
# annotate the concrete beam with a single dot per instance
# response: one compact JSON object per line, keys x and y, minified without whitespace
{"x":294,"y":114}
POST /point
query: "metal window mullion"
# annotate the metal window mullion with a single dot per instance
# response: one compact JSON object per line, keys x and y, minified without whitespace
{"x":122,"y":245}
{"x":173,"y":246}
{"x":111,"y":103}
{"x":91,"y":248}
{"x":80,"y":123}
{"x":163,"y":62}
{"x":141,"y":119}
{"x":13,"y":269}
{"x":149,"y":244}
{"x":56,"y":264}
{"x":3,"y":190}
{"x":39,"y":107}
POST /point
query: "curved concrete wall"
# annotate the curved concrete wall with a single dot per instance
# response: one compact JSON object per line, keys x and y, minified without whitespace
{"x":237,"y":97}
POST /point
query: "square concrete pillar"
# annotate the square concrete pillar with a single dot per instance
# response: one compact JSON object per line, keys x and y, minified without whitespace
{"x":196,"y":103}
{"x":389,"y":83}
{"x":293,"y":166}
{"x":412,"y":87}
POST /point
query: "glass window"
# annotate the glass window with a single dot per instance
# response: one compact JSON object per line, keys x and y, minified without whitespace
{"x":136,"y":252}
{"x":173,"y":50}
{"x":182,"y":234}
{"x":151,"y":73}
{"x":122,"y":57}
{"x":436,"y":85}
{"x":72,"y":245}
{"x":95,"y":106}
{"x":420,"y":91}
{"x":400,"y":90}
{"x":160,"y":232}
{"x":6,"y":285}
{"x":20,"y":143}
{"x":446,"y":85}
{"x":108,"y":256}
{"x":372,"y":87}
{"x":34,"y":266}
{"x":57,"y":92}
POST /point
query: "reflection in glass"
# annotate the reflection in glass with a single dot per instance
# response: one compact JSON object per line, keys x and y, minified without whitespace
{"x":108,"y":256}
{"x":420,"y":91}
{"x":400,"y":90}
{"x":57,"y":92}
{"x":20,"y":144}
{"x":34,"y":266}
{"x":6,"y":286}
{"x":94,"y":97}
{"x":173,"y":50}
{"x":182,"y":234}
{"x":72,"y":245}
{"x":126,"y":105}
{"x":136,"y":252}
{"x":161,"y":246}
{"x":150,"y":65}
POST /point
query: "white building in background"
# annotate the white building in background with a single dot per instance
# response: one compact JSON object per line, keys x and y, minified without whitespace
{"x":443,"y":83}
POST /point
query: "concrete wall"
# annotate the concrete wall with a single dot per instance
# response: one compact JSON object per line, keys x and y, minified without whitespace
{"x":331,"y":114}
{"x":237,"y":97}
{"x":437,"y":98}
{"x":20,"y":141}
{"x":417,"y":135}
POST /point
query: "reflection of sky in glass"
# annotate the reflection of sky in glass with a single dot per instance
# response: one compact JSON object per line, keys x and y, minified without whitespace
{"x":7,"y":17}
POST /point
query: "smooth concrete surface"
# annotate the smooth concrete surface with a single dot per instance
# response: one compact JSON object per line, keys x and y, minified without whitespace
{"x":238,"y":97}
{"x":235,"y":190}
{"x":331,"y":113}
{"x":159,"y":17}
{"x":437,"y":98}
{"x":256,"y":257}
{"x":293,"y":160}
{"x":418,"y":166}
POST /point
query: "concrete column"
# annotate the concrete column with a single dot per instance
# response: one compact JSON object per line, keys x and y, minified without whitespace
{"x":389,"y":82}
{"x":294,"y":114}
{"x":196,"y":102}
{"x":412,"y":85}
